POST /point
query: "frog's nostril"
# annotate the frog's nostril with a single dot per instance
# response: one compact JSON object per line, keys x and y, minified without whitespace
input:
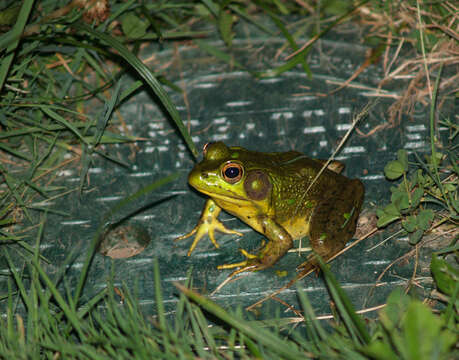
{"x":204,"y":175}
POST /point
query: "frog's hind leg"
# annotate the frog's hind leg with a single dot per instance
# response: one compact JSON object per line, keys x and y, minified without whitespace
{"x":334,"y":220}
{"x":280,"y":242}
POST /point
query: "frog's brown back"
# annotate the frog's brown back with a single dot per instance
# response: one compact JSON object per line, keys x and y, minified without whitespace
{"x":293,"y":194}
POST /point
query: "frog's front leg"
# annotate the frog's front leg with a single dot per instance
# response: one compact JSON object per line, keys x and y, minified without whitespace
{"x":207,"y":224}
{"x":280,"y":242}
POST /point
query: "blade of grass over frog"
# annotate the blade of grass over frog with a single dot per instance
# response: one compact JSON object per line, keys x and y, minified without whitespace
{"x":16,"y":32}
{"x":355,"y":120}
{"x":105,"y":222}
{"x":353,"y":322}
{"x":274,"y":343}
{"x":148,"y":76}
{"x":296,"y":57}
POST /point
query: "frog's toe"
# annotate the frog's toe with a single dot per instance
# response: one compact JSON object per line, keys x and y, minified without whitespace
{"x":200,"y":233}
{"x":252,"y":263}
{"x":187,"y":235}
{"x":247,"y":265}
{"x":220,"y":227}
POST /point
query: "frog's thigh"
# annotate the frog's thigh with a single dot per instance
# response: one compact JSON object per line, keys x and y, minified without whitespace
{"x":280,"y":241}
{"x":330,"y":230}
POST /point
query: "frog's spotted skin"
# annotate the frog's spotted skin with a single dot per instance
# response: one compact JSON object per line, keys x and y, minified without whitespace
{"x":271,"y":192}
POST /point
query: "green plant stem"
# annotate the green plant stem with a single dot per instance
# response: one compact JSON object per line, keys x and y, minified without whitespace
{"x":15,"y":34}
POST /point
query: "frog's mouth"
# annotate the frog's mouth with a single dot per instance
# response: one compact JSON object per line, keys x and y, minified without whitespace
{"x":226,"y":195}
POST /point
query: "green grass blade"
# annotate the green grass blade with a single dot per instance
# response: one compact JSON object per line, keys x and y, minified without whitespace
{"x":68,"y":311}
{"x":204,"y":45}
{"x":313,"y":327}
{"x":243,"y":14}
{"x":55,"y":116}
{"x":16,"y":153}
{"x":352,"y":321}
{"x":149,"y":78}
{"x":291,"y":41}
{"x":103,"y":120}
{"x":298,"y":58}
{"x":18,"y":280}
{"x":274,"y":343}
{"x":17,"y":30}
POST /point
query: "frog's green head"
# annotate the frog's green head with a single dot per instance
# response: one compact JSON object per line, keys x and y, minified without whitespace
{"x":229,"y":173}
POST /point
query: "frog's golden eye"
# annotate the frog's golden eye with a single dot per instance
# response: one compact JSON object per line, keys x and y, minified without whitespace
{"x":232,"y":172}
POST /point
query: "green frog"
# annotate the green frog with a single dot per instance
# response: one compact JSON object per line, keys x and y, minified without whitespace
{"x":280,"y":196}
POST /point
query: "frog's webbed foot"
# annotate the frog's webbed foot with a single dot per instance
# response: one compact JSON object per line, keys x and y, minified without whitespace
{"x":208,"y":224}
{"x":207,"y":227}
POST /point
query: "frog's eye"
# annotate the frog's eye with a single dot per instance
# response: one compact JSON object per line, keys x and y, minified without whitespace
{"x":232,"y":172}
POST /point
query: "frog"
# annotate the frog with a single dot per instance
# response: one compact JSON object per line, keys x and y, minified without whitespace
{"x":284,"y":196}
